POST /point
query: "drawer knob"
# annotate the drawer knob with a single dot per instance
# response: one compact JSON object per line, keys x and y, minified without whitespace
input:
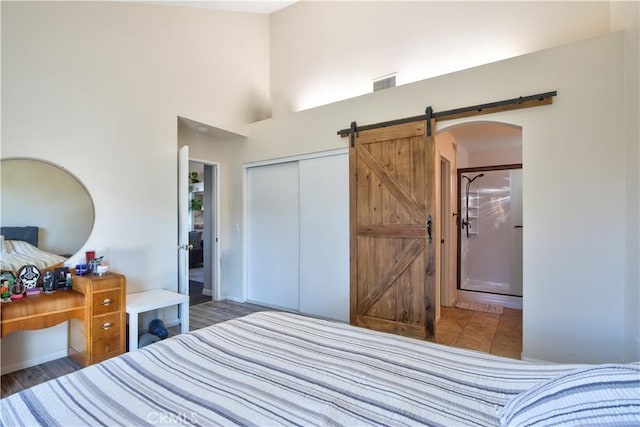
{"x":107,"y":325}
{"x":107,"y":301}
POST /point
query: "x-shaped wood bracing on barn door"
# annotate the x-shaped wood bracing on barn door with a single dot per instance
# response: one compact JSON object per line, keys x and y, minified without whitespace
{"x":392,"y":255}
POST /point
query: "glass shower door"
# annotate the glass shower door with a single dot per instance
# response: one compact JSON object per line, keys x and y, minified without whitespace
{"x":490,"y":232}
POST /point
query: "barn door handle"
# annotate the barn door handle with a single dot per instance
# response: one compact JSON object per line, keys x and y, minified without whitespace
{"x":429,"y":221}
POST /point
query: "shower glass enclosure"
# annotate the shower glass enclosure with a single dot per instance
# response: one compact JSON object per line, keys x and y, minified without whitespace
{"x":490,"y":229}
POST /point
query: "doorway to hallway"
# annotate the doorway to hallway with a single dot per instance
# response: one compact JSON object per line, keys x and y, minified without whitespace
{"x":203,"y":231}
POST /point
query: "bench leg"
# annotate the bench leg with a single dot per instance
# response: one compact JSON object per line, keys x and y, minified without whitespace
{"x":133,"y":331}
{"x":184,"y":317}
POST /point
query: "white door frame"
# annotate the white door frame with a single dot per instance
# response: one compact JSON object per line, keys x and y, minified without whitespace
{"x":215,"y":238}
{"x":446,"y":294}
{"x":445,"y":232}
{"x":183,"y":216}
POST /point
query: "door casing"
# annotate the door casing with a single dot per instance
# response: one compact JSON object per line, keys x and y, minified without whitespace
{"x":211,"y":233}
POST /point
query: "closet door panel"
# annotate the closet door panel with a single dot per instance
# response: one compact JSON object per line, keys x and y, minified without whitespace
{"x":272,"y":222}
{"x":324,"y":237}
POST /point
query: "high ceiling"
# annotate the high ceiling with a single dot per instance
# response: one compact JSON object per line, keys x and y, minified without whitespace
{"x":474,"y":137}
{"x":265,"y":7}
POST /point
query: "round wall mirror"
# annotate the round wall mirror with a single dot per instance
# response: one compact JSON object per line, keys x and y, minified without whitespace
{"x":39,"y":194}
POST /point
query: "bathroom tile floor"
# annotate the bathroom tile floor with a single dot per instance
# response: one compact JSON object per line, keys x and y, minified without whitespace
{"x":499,"y":334}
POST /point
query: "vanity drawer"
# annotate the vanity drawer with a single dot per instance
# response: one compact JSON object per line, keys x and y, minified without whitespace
{"x":109,"y":325}
{"x":100,"y":333}
{"x":107,"y":302}
{"x":106,"y":348}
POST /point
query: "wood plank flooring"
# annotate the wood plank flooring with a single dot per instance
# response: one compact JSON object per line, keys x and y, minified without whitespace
{"x":25,"y":378}
{"x":213,"y":312}
{"x":491,"y":333}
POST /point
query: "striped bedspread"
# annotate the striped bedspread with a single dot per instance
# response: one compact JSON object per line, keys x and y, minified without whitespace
{"x":15,"y":253}
{"x":272,"y":369}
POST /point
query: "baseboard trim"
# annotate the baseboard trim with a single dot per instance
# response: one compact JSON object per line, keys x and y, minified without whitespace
{"x":231,"y":298}
{"x":495,"y":299}
{"x":34,"y":362}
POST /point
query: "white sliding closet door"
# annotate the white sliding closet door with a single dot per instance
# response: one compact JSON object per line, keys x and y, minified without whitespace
{"x":324,"y":236}
{"x":298,"y":235}
{"x":273,"y":223}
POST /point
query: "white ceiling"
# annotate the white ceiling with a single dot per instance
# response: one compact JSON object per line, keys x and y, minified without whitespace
{"x":210,"y":130}
{"x":487,"y":136}
{"x":265,"y":7}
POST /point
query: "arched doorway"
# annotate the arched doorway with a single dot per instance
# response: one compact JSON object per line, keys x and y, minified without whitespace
{"x":481,"y":247}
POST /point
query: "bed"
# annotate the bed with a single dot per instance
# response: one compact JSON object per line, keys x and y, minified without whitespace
{"x":273,"y":368}
{"x":19,"y":247}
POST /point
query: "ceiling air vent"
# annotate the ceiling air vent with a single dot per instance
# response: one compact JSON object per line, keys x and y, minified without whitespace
{"x":384,"y":82}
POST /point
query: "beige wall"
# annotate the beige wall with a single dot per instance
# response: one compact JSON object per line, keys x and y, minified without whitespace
{"x":626,"y":16}
{"x":565,"y":264}
{"x":97,"y":87}
{"x":497,"y":157}
{"x":323,"y":52}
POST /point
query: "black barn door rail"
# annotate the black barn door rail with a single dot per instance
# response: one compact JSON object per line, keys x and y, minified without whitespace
{"x":475,"y":110}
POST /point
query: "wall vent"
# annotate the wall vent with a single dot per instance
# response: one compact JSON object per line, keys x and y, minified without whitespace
{"x":384,"y":82}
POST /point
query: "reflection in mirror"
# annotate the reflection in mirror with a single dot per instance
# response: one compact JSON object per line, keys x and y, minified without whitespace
{"x":39,"y":194}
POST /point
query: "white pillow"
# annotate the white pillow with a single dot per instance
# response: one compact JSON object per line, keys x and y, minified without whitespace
{"x":599,"y":395}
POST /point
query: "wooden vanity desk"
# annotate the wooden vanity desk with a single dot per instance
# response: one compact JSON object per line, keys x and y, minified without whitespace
{"x":41,"y":311}
{"x":94,"y":307}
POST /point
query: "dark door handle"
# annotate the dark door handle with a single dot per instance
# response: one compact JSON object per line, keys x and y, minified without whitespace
{"x":429,"y":228}
{"x":517,"y":226}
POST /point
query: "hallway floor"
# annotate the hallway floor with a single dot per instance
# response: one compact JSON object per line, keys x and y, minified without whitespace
{"x":196,"y":274}
{"x":196,"y":287}
{"x":499,"y":334}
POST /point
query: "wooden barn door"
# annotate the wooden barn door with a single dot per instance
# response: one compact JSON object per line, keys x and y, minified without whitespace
{"x":392,"y":176}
